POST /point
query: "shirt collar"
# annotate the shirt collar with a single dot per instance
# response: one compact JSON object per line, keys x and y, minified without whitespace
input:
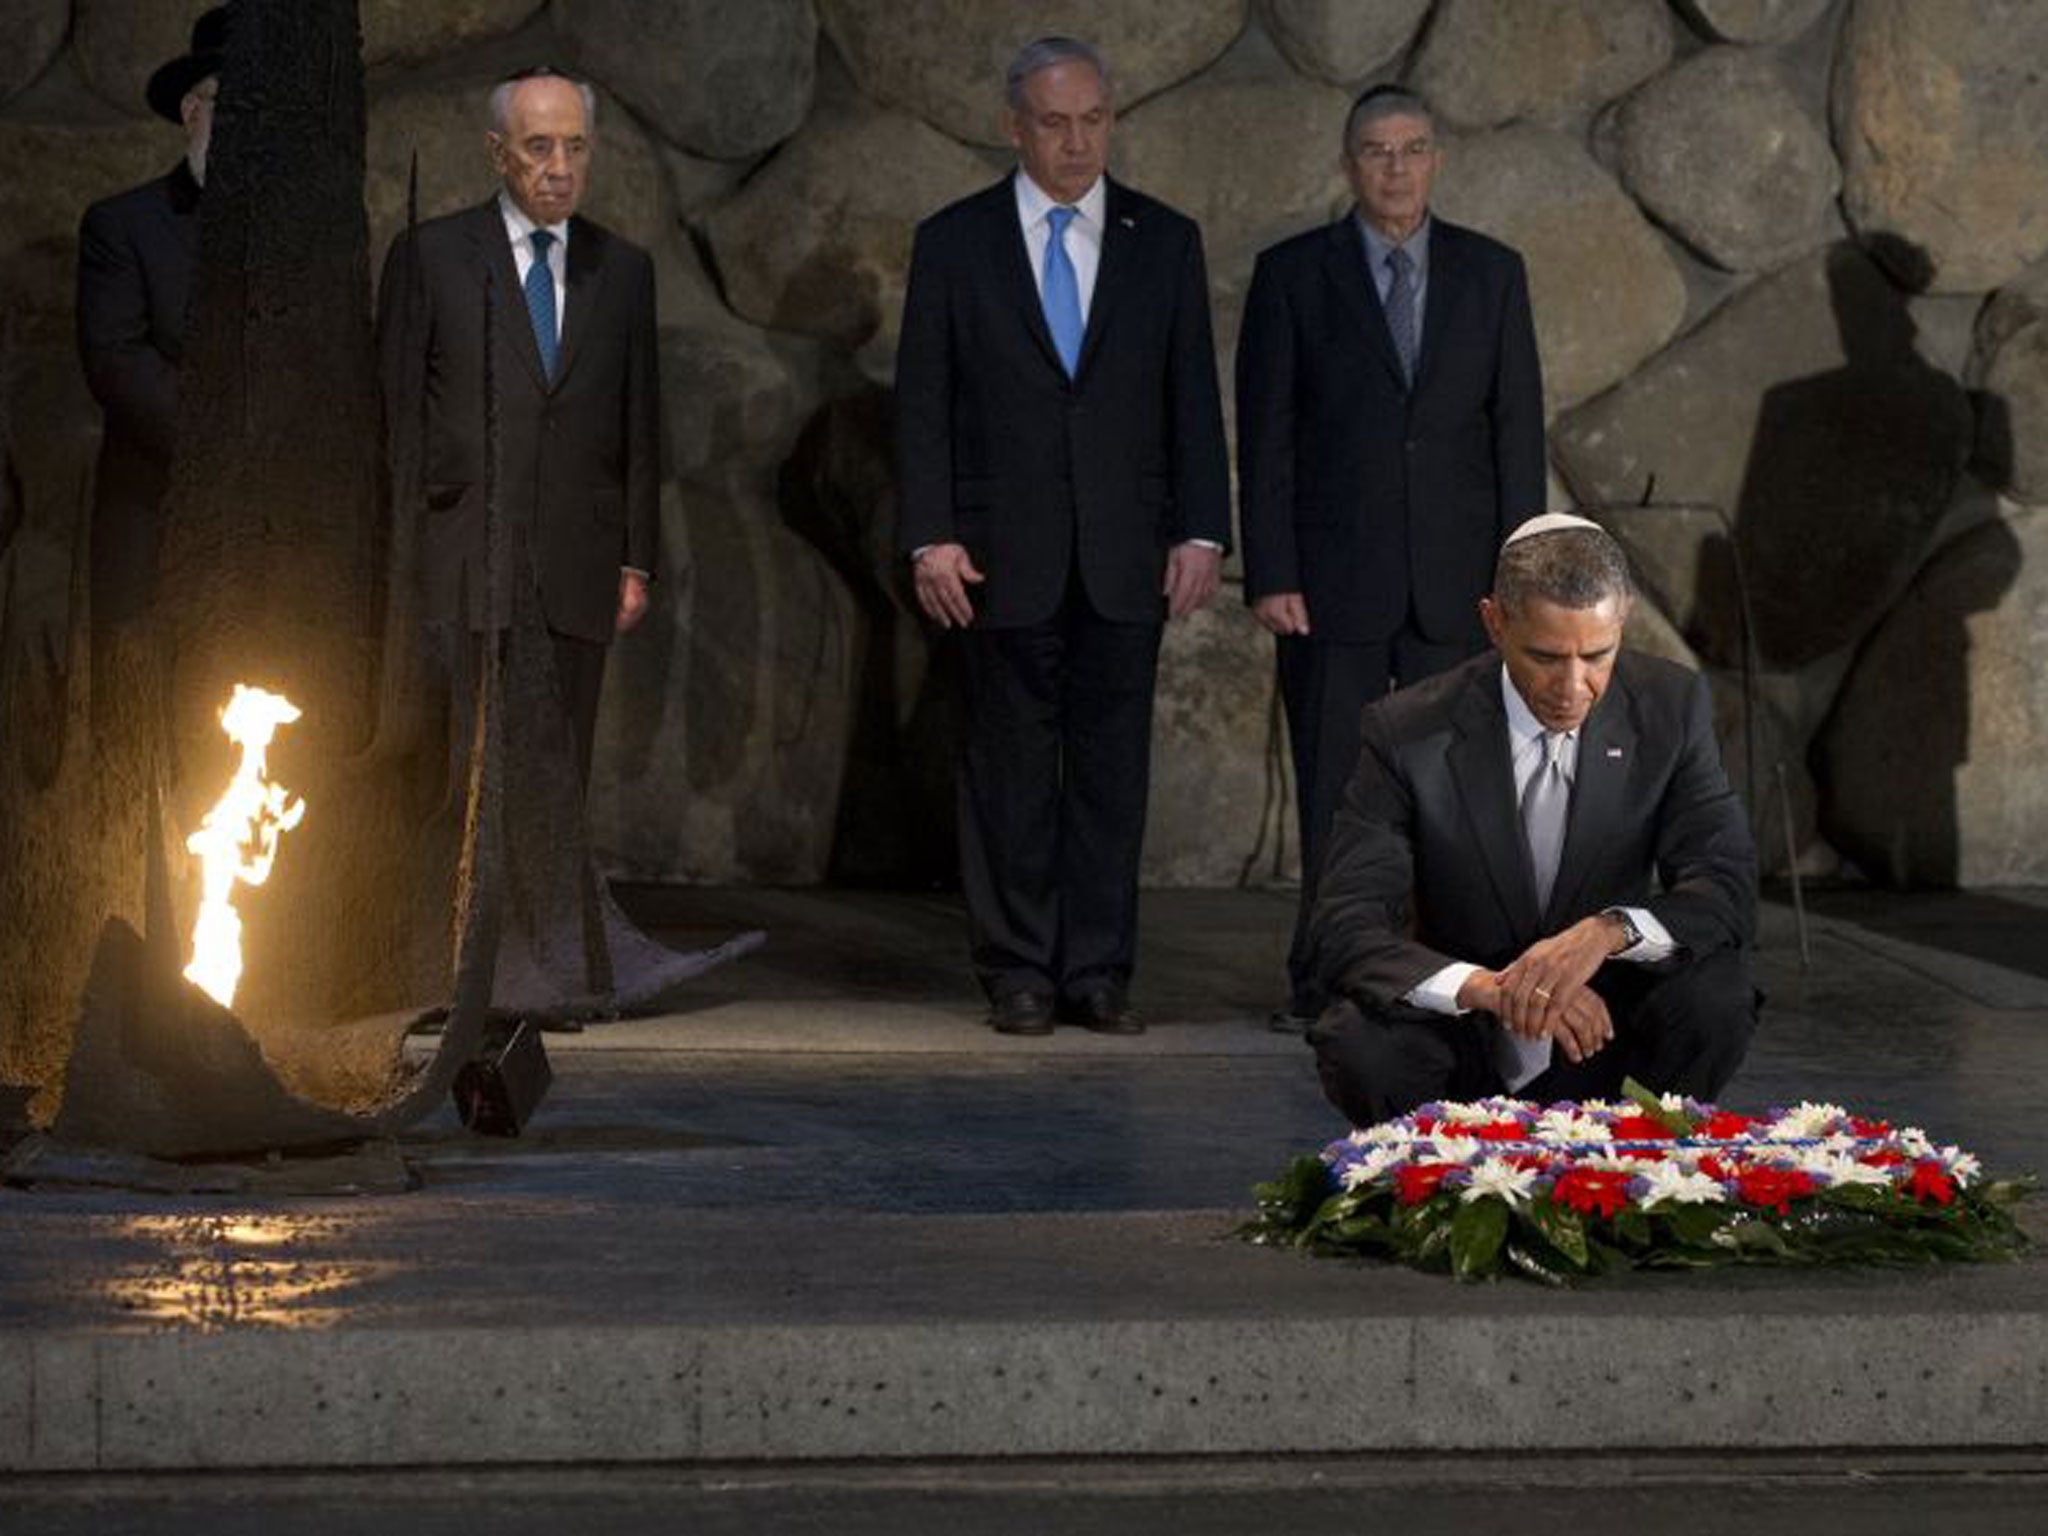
{"x":1523,"y":725}
{"x":519,"y":228}
{"x":1033,"y":202}
{"x":1377,"y":245}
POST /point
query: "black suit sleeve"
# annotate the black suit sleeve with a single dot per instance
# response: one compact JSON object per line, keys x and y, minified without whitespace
{"x":923,"y":404}
{"x":1265,"y":436}
{"x":135,"y":384}
{"x":1516,"y":405}
{"x":1706,"y":860}
{"x":643,"y":426}
{"x":1361,"y":929}
{"x":1201,"y":467}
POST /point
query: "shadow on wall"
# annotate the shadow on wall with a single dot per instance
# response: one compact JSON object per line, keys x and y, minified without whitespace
{"x":894,"y":821}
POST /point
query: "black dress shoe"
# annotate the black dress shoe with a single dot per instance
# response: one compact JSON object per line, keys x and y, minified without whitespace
{"x":1021,"y":1013}
{"x":1104,"y":1011}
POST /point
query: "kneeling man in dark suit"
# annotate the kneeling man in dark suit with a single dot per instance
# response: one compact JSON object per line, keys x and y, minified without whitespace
{"x":1540,"y":879}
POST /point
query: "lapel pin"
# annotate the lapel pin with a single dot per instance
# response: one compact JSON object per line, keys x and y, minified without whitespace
{"x":1127,"y":221}
{"x":1614,"y":751}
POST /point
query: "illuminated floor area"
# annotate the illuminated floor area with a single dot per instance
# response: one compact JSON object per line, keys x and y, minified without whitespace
{"x":820,"y":1211}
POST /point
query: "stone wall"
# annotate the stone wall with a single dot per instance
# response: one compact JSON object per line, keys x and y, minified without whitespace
{"x":1790,"y":266}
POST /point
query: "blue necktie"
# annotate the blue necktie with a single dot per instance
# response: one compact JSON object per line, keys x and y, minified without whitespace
{"x":540,"y":302}
{"x":1062,"y":295}
{"x":1401,"y":308}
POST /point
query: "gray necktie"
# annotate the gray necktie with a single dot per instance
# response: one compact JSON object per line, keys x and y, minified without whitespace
{"x":1401,"y":308}
{"x":1544,"y":805}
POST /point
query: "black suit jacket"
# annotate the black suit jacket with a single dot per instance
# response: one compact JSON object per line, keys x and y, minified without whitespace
{"x":580,"y":461}
{"x":1363,"y":495}
{"x":998,"y":450}
{"x":1427,"y":863}
{"x":137,"y":253}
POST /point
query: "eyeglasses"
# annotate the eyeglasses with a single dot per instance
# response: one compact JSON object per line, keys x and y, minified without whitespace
{"x":1380,"y":156}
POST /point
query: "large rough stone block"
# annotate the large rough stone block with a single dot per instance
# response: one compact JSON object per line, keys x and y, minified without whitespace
{"x":1930,"y":766}
{"x":1216,"y":758}
{"x":1751,"y":21}
{"x":722,"y":742}
{"x":1342,"y":41}
{"x":1487,"y":62}
{"x":1722,"y":154}
{"x":944,"y":63}
{"x":34,"y":30}
{"x":445,"y":121}
{"x":817,"y":241}
{"x":1940,"y":112}
{"x":1250,"y":159}
{"x":724,"y":78}
{"x":401,"y":31}
{"x":1606,"y":291}
{"x":118,"y":43}
{"x":1802,"y":409}
{"x":2012,"y":404}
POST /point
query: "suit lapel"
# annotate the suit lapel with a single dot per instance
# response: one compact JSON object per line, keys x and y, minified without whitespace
{"x":1347,"y":270}
{"x":508,"y":314}
{"x":583,"y":281}
{"x":1446,"y":276}
{"x":1486,"y":784}
{"x":1116,"y":270}
{"x":1005,"y":239}
{"x":1607,"y":750}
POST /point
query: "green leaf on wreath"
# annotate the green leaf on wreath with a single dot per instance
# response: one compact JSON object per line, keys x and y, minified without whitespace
{"x":1562,"y":1229}
{"x":1650,"y":1104}
{"x":1476,"y":1235}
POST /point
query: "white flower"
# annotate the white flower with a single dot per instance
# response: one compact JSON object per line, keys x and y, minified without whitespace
{"x":1807,"y":1121}
{"x":1498,"y":1176}
{"x":1913,"y":1142}
{"x":1384,"y":1132}
{"x":1671,"y":1103}
{"x":1679,"y":1185}
{"x":1457,"y":1149}
{"x":1963,"y":1166}
{"x":1372,"y":1166}
{"x":1838,"y":1168}
{"x":1604,"y":1107}
{"x":1564,"y":1128}
{"x":1468,"y":1114}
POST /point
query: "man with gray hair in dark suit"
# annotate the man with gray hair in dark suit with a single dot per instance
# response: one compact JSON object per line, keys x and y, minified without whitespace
{"x":1539,"y":879}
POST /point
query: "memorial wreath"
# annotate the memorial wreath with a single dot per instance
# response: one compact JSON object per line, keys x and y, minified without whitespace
{"x":1559,"y":1191}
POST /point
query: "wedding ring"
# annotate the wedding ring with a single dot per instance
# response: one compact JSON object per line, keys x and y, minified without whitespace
{"x":1541,"y":993}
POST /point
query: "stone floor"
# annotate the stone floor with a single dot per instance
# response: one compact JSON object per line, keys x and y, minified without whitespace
{"x":820,"y":1211}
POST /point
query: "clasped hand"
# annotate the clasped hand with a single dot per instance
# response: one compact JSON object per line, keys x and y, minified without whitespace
{"x":1543,"y":994}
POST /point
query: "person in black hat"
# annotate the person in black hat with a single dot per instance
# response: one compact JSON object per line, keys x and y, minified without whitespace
{"x":136,"y":255}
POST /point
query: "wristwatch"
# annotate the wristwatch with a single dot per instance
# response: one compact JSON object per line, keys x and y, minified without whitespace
{"x":1629,"y":930}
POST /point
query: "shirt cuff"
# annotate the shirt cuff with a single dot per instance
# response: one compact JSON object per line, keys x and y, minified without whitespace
{"x":1656,"y":944}
{"x":1438,"y":993}
{"x":635,"y":570}
{"x":1204,"y":544}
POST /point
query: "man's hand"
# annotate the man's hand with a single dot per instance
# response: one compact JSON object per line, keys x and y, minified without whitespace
{"x":632,"y":600}
{"x":1284,"y":613}
{"x":943,"y":573}
{"x":1543,"y":993}
{"x":1193,"y":572}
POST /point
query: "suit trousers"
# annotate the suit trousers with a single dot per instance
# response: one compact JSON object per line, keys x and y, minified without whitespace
{"x":1055,"y":766}
{"x":1678,"y":1030}
{"x":1325,"y":687}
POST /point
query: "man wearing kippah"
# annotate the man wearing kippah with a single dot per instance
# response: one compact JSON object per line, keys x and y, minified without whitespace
{"x":1539,"y":879}
{"x":1390,"y":432}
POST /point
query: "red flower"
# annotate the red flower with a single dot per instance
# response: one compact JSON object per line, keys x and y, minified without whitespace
{"x":1776,"y":1188}
{"x":1537,"y":1160}
{"x":1930,"y":1181}
{"x":1871,"y":1128}
{"x":1726,"y":1125}
{"x":1883,"y":1157}
{"x":1416,"y":1182}
{"x":1591,"y":1189}
{"x":1499,"y":1130}
{"x":1424,"y":1124}
{"x":1714,"y":1168}
{"x":1639,"y":1128}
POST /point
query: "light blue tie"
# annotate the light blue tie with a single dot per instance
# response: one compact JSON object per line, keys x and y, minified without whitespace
{"x":540,"y":302}
{"x":1062,"y":295}
{"x":1401,"y":308}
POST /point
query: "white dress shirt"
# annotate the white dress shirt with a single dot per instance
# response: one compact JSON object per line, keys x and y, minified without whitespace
{"x":519,"y":230}
{"x":1084,"y":233}
{"x":1439,"y":992}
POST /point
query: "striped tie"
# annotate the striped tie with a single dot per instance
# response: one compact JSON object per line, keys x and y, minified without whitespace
{"x":1401,"y":308}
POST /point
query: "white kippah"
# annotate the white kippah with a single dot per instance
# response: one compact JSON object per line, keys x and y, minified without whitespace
{"x":1548,"y":522}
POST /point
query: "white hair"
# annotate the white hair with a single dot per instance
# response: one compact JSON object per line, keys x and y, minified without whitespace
{"x":501,"y":97}
{"x":1044,"y":54}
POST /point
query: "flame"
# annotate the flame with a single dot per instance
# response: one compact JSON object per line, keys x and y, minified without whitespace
{"x":237,"y":841}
